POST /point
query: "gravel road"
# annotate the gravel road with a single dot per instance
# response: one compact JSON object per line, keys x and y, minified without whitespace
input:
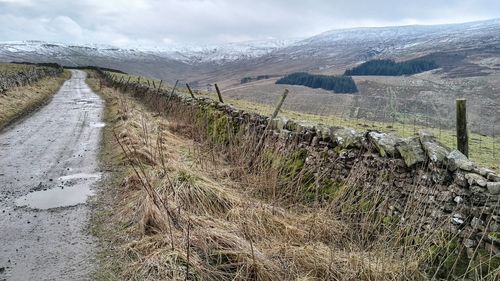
{"x":48,"y":166}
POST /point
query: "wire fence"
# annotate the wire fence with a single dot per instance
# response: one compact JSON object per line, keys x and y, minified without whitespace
{"x":402,"y":116}
{"x":406,"y":117}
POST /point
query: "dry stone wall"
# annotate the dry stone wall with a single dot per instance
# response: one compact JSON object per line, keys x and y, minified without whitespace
{"x":443,"y":189}
{"x":27,"y":77}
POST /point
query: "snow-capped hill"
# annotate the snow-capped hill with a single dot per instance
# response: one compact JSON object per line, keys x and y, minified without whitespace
{"x":408,"y":36}
{"x":50,"y":49}
{"x":225,"y":53}
{"x":407,"y":31}
{"x":218,"y":54}
{"x":347,"y":46}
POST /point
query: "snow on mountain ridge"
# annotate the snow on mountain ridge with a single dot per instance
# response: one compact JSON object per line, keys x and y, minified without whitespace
{"x":188,"y":54}
{"x":362,"y":43}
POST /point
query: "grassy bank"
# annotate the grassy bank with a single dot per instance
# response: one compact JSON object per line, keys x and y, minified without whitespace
{"x":178,"y":206}
{"x":231,"y":234}
{"x":19,"y":101}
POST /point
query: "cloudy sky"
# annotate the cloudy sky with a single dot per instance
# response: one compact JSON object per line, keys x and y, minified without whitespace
{"x":162,"y":23}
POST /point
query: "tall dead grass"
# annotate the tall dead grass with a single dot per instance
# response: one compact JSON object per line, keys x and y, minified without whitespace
{"x":191,"y":210}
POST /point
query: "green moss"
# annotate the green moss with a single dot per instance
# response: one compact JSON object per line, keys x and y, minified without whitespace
{"x":495,"y":235}
{"x":293,"y":170}
{"x":485,"y":262}
{"x":268,"y":158}
{"x":327,"y":189}
{"x":386,"y":175}
{"x":219,"y":128}
{"x":456,"y":262}
{"x":447,"y":258}
{"x":185,"y":177}
{"x":294,"y":162}
{"x":390,"y":221}
{"x":450,"y":259}
{"x":366,"y":205}
{"x":339,"y":149}
{"x":218,"y":124}
{"x":330,"y":188}
{"x":290,"y":165}
{"x":324,"y":155}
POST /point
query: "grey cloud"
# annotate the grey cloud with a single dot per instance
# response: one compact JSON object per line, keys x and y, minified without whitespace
{"x":157,"y":22}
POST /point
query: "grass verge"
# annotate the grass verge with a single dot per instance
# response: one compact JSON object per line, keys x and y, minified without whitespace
{"x":230,"y":234}
{"x":18,"y":101}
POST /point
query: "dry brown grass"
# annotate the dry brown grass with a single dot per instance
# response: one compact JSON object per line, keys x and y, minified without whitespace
{"x":185,"y":209}
{"x":18,"y":101}
{"x":11,"y":68}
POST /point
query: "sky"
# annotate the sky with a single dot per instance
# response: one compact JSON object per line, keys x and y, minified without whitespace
{"x":164,"y":23}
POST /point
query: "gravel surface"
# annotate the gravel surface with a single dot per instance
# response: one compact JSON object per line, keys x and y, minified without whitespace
{"x":48,"y":166}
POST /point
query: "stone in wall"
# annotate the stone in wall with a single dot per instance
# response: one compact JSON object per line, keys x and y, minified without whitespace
{"x":411,"y":151}
{"x":384,"y":143}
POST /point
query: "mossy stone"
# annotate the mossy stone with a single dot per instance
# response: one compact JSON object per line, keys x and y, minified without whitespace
{"x":411,"y":151}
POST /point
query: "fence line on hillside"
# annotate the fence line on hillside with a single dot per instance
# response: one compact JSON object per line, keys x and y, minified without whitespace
{"x":485,"y":129}
{"x":402,"y":118}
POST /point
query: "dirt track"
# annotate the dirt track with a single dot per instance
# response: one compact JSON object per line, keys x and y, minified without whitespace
{"x":48,"y":164}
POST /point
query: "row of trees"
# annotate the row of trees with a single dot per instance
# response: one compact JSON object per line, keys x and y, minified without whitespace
{"x":250,"y":79}
{"x":392,"y":68}
{"x":338,"y":84}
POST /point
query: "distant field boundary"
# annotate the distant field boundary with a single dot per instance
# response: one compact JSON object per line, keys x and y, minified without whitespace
{"x":28,"y":92}
{"x":28,"y":76}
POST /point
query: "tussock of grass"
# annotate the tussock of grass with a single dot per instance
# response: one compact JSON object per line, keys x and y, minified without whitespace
{"x":18,"y":101}
{"x":186,"y":213}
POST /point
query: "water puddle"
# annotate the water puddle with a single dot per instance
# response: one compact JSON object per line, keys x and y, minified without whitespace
{"x":61,"y":196}
{"x":80,"y":176}
{"x":56,"y":197}
{"x":97,"y":124}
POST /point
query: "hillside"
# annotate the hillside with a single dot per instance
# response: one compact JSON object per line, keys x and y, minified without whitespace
{"x":327,"y":52}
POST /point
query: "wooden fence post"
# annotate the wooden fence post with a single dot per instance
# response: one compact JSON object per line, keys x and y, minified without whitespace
{"x":218,"y":93}
{"x":263,"y":136}
{"x":462,"y":135}
{"x":190,"y":92}
{"x":278,"y":107}
{"x":159,"y":86}
{"x":175,"y":86}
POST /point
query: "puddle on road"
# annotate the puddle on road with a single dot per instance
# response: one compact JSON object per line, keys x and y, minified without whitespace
{"x":80,"y":176}
{"x":97,"y":124}
{"x":60,"y":197}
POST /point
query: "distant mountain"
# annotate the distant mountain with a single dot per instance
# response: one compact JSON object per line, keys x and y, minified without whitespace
{"x":330,"y":52}
{"x":70,"y":54}
{"x":367,"y":43}
{"x":226,"y":53}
